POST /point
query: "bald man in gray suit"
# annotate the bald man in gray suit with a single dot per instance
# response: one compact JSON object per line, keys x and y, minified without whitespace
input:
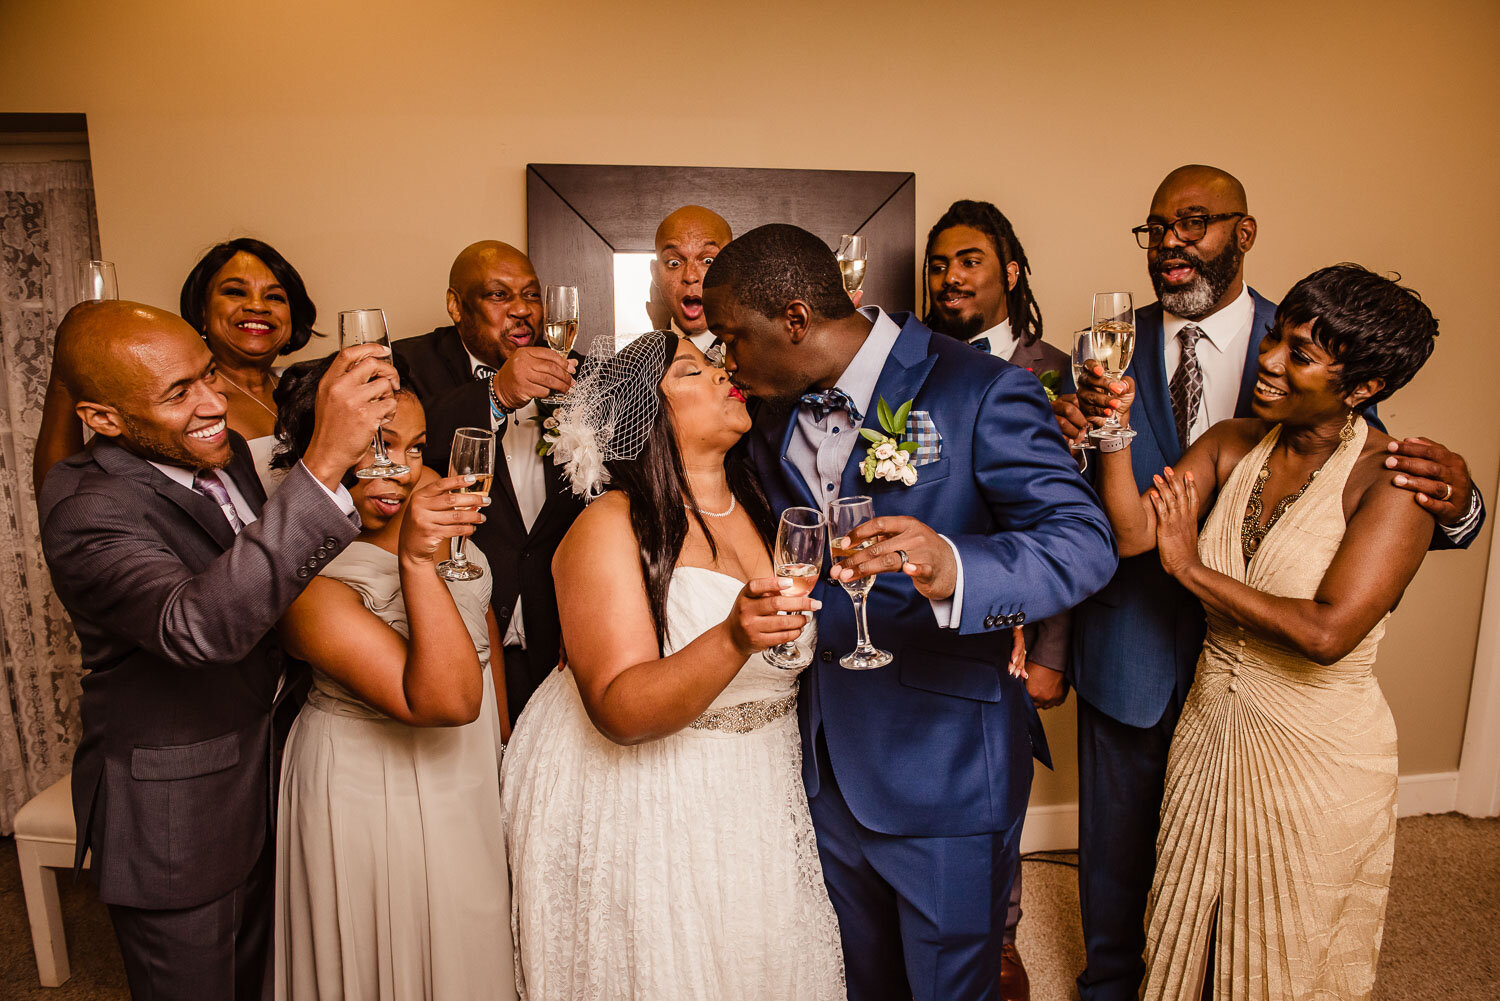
{"x":175,"y":568}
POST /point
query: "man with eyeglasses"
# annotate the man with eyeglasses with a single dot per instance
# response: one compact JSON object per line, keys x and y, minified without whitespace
{"x":1136,"y":643}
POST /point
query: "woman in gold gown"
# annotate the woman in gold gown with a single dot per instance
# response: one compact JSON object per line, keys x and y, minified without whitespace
{"x":1279,"y":817}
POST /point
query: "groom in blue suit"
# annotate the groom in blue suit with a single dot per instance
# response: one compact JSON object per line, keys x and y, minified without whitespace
{"x":1136,"y":642}
{"x":917,"y":772}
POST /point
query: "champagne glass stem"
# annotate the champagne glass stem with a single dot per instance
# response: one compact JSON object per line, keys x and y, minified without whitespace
{"x":458,"y":550}
{"x":862,"y":644}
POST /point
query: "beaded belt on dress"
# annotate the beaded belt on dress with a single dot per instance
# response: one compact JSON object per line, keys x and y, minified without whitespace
{"x":746,"y":716}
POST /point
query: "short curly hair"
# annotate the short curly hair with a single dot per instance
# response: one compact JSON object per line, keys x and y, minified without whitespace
{"x":1374,"y":327}
{"x":296,"y":397}
{"x":193,"y":301}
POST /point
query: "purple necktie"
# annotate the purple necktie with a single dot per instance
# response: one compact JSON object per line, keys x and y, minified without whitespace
{"x":207,"y":483}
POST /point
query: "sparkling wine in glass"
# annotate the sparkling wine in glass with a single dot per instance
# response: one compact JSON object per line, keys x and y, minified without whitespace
{"x":800,"y":540}
{"x":96,"y":281}
{"x":560,"y":325}
{"x":1083,"y":353}
{"x":1112,"y":337}
{"x":473,"y":455}
{"x":367,"y":326}
{"x":844,"y":516}
{"x":851,"y":258}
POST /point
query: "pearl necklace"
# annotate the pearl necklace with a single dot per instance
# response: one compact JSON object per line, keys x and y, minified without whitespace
{"x":733,"y":501}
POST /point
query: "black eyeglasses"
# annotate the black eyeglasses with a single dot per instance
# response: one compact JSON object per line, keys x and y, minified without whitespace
{"x":1189,"y":229}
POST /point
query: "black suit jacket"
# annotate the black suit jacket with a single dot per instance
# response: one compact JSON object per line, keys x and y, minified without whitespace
{"x":520,"y":561}
{"x":173,"y":780}
{"x":436,"y":362}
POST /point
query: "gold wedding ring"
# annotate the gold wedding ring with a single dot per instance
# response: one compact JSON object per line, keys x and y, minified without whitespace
{"x":1449,"y":488}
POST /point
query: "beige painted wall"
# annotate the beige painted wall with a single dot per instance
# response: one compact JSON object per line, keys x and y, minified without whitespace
{"x":369,"y":141}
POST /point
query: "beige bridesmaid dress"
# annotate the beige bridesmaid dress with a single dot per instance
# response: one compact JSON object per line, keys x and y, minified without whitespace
{"x":1279,"y":816}
{"x":391,"y":877}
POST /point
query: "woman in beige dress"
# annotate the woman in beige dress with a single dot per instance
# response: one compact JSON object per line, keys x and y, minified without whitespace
{"x":391,"y":879}
{"x":1279,"y":816}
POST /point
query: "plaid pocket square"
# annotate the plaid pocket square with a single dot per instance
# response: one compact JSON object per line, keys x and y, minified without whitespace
{"x":921,"y":429}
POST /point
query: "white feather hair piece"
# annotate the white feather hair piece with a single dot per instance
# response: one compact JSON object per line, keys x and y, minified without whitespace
{"x":608,"y":414}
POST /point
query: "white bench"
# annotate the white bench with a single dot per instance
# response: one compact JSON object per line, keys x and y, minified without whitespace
{"x":45,"y":842}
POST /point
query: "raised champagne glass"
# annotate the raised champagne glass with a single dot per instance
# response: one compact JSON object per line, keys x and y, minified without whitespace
{"x":96,"y":281}
{"x":367,"y":326}
{"x":800,"y":539}
{"x":1083,"y":353}
{"x":1112,"y":337}
{"x":560,"y":325}
{"x":851,"y":258}
{"x":844,"y":516}
{"x":473,"y":455}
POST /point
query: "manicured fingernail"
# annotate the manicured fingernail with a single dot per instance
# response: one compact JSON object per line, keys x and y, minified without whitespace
{"x":1390,"y":463}
{"x":1423,"y":498}
{"x":470,"y":478}
{"x":482,"y":519}
{"x":1400,"y":480}
{"x":785,"y":583}
{"x":816,"y":605}
{"x":485,"y":501}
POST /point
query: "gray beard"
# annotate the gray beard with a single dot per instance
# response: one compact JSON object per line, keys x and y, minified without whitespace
{"x":1197,"y":300}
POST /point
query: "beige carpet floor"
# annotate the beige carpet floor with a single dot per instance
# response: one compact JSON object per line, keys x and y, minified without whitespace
{"x":1442,"y":933}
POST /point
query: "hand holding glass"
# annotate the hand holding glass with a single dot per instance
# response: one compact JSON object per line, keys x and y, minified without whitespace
{"x":844,"y":516}
{"x":473,"y":455}
{"x":367,"y":326}
{"x":800,"y":539}
{"x":1113,"y":340}
{"x":851,"y":258}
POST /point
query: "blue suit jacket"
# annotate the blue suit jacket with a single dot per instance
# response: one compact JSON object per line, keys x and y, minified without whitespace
{"x":1137,"y":641}
{"x":939,"y":742}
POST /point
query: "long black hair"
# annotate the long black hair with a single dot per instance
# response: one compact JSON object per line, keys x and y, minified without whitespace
{"x":660,"y":497}
{"x":194,"y":297}
{"x":1025,"y":314}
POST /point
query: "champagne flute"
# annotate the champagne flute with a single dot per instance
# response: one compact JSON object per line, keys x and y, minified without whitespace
{"x":851,"y":258}
{"x":1083,"y":353}
{"x":800,"y":539}
{"x":1113,"y":339}
{"x":367,"y":326}
{"x":560,"y":325}
{"x":473,"y":455}
{"x":844,"y":516}
{"x":96,"y":281}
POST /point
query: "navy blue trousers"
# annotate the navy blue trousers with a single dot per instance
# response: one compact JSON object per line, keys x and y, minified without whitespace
{"x":1122,"y":771}
{"x":920,"y":918}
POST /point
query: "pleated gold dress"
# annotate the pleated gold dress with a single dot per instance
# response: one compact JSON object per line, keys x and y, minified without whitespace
{"x":1279,"y":816}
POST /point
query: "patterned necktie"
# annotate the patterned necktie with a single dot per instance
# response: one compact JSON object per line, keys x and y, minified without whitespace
{"x":1187,"y":384}
{"x":483,"y":371}
{"x":207,"y":483}
{"x":715,"y":353}
{"x":982,"y":343}
{"x":827,"y":401}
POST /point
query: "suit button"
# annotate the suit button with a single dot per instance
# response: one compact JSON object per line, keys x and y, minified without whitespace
{"x":303,"y":572}
{"x":330,"y":542}
{"x":826,"y":656}
{"x":989,"y":622}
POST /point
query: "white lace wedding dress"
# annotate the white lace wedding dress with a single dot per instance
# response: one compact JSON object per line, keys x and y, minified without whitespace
{"x":680,"y":868}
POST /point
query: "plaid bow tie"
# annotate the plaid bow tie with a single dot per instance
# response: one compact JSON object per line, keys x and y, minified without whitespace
{"x":982,"y":343}
{"x":827,"y":401}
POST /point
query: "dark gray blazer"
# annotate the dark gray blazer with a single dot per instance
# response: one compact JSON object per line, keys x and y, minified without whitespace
{"x":1047,"y":640}
{"x":173,"y":783}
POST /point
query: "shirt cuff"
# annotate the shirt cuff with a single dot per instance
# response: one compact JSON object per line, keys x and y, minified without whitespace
{"x":1465,"y":526}
{"x":340,"y":496}
{"x":949,"y":611}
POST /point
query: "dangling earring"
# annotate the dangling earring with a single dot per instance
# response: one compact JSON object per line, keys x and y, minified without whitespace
{"x":1346,"y":433}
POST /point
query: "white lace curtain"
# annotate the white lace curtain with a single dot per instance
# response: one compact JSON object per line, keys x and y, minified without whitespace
{"x":47,"y":225}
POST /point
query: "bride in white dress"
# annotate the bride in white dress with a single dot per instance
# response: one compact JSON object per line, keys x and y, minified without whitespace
{"x":659,"y":836}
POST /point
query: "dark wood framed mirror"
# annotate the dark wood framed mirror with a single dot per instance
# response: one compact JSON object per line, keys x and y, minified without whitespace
{"x":593,"y":226}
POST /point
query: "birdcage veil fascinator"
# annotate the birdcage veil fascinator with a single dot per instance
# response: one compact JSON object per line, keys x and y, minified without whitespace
{"x":610,"y":410}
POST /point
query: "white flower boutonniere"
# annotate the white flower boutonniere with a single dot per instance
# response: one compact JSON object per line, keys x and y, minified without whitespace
{"x":889,"y":458}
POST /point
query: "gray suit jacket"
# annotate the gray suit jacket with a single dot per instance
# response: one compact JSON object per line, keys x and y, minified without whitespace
{"x":1046,"y":641}
{"x":173,"y":784}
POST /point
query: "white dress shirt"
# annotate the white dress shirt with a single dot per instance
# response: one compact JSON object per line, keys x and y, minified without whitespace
{"x":528,"y":478}
{"x":184,"y":476}
{"x":1221,"y":357}
{"x":1003,"y":343}
{"x":821,"y":449}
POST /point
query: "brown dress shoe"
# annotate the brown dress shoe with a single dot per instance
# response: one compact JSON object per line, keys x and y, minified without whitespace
{"x":1014,"y":984}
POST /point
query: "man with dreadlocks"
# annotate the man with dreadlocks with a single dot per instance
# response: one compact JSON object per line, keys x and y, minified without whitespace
{"x":978,"y":290}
